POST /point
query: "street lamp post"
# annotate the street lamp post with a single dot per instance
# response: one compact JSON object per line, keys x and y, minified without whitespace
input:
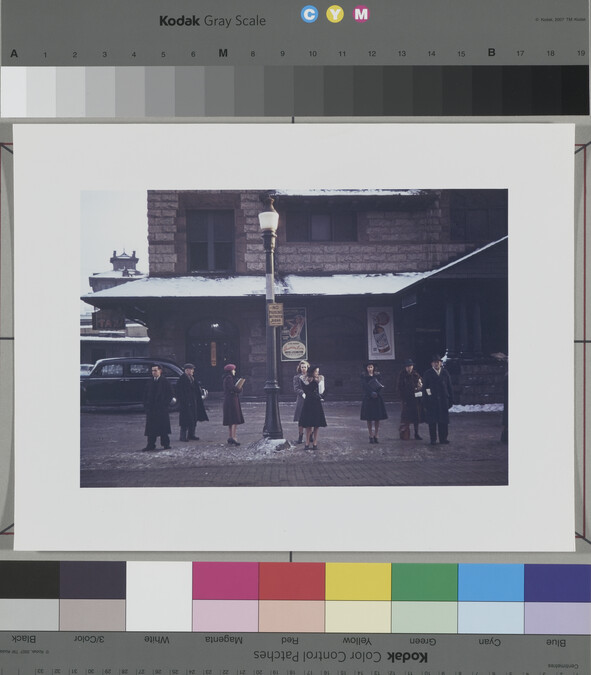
{"x":268,"y":220}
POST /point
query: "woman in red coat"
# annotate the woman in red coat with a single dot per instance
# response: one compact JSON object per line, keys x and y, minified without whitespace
{"x":232,"y":412}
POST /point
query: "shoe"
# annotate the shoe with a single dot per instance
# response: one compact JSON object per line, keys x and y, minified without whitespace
{"x":433,"y":442}
{"x":306,"y":447}
{"x":445,"y":442}
{"x":148,"y":449}
{"x":371,"y":440}
{"x":314,"y":447}
{"x":375,"y":439}
{"x":300,"y":440}
{"x":166,"y":447}
{"x":193,"y":438}
{"x":230,"y":441}
{"x":418,"y":437}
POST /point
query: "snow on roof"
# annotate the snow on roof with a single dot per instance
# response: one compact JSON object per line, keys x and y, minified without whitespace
{"x":117,"y":274}
{"x":244,"y":286}
{"x":106,"y":338}
{"x":346,"y":193}
{"x":229,"y":287}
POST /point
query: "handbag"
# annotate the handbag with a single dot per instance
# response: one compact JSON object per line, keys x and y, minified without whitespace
{"x":404,"y":431}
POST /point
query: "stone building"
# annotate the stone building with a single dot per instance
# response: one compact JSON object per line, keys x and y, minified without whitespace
{"x":381,"y":274}
{"x":106,"y":332}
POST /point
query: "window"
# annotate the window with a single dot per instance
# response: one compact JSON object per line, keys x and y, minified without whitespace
{"x":316,"y":227}
{"x":210,"y":241}
{"x":112,"y":370}
{"x":140,"y":369}
{"x":478,"y":215}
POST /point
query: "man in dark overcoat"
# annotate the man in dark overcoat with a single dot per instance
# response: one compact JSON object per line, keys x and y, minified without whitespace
{"x":157,"y":398}
{"x":191,"y":408}
{"x":437,"y":400}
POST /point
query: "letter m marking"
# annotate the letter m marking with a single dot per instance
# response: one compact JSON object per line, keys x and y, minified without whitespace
{"x":361,"y":14}
{"x":222,"y":53}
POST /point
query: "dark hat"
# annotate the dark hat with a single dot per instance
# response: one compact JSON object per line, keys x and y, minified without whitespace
{"x":370,"y":363}
{"x":229,"y":366}
{"x":408,"y":362}
{"x":436,"y":357}
{"x":188,"y":365}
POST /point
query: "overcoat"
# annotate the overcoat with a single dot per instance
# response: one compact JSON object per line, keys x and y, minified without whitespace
{"x":299,"y":390}
{"x":312,"y":411}
{"x":438,"y":403}
{"x":372,"y":403}
{"x":232,"y":411}
{"x":157,"y":397}
{"x":408,"y":385}
{"x":189,"y":395}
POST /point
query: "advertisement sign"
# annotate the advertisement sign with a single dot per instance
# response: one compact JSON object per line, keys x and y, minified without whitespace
{"x":294,"y":334}
{"x":380,"y":333}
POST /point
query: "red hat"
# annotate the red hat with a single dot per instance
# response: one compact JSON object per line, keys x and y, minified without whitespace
{"x":230,"y":366}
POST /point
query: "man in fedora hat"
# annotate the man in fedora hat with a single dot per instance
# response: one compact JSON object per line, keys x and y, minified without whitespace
{"x":437,"y":400}
{"x":157,"y":398}
{"x":191,"y":408}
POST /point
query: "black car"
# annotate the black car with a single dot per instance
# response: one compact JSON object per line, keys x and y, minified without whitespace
{"x":122,"y":381}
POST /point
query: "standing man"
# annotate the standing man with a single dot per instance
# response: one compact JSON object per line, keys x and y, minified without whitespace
{"x":157,"y":398}
{"x":190,"y":397}
{"x":437,"y":400}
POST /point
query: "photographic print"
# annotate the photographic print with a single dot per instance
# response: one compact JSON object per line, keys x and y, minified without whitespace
{"x":375,"y":290}
{"x":406,"y":265}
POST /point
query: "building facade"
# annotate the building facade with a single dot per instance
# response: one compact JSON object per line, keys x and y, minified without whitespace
{"x":386,"y":275}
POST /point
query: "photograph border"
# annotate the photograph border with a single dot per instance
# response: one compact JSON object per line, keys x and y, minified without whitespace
{"x":522,"y":516}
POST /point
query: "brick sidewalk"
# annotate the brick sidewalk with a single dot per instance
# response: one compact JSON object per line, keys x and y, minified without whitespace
{"x":111,"y":456}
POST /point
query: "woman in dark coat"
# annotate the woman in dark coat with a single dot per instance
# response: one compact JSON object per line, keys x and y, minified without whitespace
{"x":409,"y":385}
{"x":372,"y":404}
{"x":437,"y":400}
{"x":312,"y":417}
{"x":232,"y":412}
{"x":298,"y":389}
{"x":190,"y":398}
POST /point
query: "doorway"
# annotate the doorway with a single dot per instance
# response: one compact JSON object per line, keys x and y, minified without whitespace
{"x":211,"y":344}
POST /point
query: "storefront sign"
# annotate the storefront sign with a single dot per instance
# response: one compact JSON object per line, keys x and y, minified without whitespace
{"x":380,"y":333}
{"x":294,"y":335}
{"x":108,"y":319}
{"x":275,"y":314}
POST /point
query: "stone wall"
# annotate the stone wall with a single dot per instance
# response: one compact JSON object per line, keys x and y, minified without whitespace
{"x":388,"y":241}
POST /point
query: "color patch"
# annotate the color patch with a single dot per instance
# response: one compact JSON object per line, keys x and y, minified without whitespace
{"x":225,"y":581}
{"x":29,"y":614}
{"x":558,"y":618}
{"x":491,"y":617}
{"x":434,"y":582}
{"x":226,"y":616}
{"x":291,"y":616}
{"x":29,"y":579}
{"x":496,"y":583}
{"x":92,"y":615}
{"x":92,"y":580}
{"x":358,"y":581}
{"x":358,"y":617}
{"x":557,"y":583}
{"x":159,"y":596}
{"x":425,"y":617}
{"x":292,"y":581}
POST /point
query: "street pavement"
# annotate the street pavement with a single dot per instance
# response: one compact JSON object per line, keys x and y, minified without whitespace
{"x":112,"y":442}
